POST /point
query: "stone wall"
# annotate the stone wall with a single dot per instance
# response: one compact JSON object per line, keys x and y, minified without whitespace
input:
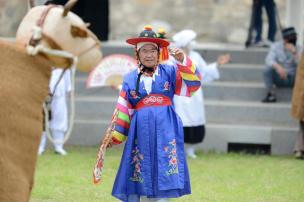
{"x":11,"y":13}
{"x":213,"y":20}
{"x":223,"y":21}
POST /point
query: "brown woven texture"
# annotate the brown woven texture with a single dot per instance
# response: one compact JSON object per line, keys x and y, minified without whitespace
{"x":297,"y":109}
{"x":23,"y":88}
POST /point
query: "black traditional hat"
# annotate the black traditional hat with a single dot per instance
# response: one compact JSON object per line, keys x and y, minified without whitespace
{"x":148,"y":35}
{"x":289,"y":31}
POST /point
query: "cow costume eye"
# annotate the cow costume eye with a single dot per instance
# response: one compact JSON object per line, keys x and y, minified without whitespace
{"x":78,"y":32}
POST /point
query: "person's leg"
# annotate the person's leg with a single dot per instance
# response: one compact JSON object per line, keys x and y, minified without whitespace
{"x":58,"y":137}
{"x":42,"y":143}
{"x":269,"y":74}
{"x":299,"y":144}
{"x":190,"y":150}
{"x":268,"y":78}
{"x":272,"y":26}
{"x":189,"y":138}
{"x":258,"y":26}
{"x":145,"y":199}
{"x":287,"y":83}
{"x":271,"y":77}
{"x":134,"y":197}
{"x":162,"y":200}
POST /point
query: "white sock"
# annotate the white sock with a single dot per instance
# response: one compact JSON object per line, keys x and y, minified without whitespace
{"x":190,"y":150}
{"x":58,"y":136}
{"x":42,"y":142}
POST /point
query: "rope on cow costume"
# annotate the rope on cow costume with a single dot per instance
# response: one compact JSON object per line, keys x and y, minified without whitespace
{"x":34,"y":47}
{"x":34,"y":51}
{"x":72,"y":109}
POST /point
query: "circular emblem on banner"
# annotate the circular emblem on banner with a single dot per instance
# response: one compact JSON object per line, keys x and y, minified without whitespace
{"x":110,"y":70}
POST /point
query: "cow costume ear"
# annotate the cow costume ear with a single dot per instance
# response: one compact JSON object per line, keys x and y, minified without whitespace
{"x":78,"y":31}
{"x":68,"y":6}
{"x":31,"y":3}
{"x":87,"y":24}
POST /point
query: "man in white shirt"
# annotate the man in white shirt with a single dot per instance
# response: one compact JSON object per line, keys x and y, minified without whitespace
{"x":58,"y":125}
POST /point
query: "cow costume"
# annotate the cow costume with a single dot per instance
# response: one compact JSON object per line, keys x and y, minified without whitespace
{"x":26,"y":69}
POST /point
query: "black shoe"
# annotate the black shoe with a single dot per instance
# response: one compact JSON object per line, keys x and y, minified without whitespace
{"x":269,"y":98}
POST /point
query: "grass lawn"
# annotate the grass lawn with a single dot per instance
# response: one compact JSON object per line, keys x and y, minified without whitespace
{"x":214,"y":177}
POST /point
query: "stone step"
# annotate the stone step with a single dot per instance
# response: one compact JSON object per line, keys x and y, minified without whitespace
{"x":229,"y":72}
{"x":218,"y":136}
{"x":210,"y":53}
{"x":281,"y":139}
{"x":241,"y":91}
{"x":248,"y":112}
{"x":91,"y":108}
{"x":242,"y":72}
{"x":216,"y":90}
{"x":242,"y":56}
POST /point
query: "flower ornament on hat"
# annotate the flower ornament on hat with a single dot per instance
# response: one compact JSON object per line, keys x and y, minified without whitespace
{"x":183,"y":38}
{"x":161,"y":33}
{"x":147,"y":36}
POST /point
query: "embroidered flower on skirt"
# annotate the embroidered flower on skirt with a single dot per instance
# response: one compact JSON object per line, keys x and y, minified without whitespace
{"x":172,"y":156}
{"x":166,"y":86}
{"x":137,"y":157}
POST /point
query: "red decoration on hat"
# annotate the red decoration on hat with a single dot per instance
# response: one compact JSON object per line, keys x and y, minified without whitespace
{"x":164,"y":54}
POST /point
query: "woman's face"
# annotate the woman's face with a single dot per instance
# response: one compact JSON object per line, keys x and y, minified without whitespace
{"x":148,"y":55}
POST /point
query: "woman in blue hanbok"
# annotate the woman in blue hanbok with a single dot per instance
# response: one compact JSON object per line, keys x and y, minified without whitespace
{"x":153,"y":165}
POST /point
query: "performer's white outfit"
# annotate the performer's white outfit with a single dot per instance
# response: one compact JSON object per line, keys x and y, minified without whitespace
{"x":191,"y":109}
{"x":59,"y":122}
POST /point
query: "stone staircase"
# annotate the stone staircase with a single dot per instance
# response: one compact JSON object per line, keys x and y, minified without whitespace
{"x":234,"y":112}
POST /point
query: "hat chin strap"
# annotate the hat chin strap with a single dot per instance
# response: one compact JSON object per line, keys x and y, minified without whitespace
{"x":144,"y":70}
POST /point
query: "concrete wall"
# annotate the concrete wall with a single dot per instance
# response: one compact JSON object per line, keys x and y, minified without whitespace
{"x":11,"y":13}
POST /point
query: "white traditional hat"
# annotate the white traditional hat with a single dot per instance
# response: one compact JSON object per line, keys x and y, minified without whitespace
{"x":183,"y":38}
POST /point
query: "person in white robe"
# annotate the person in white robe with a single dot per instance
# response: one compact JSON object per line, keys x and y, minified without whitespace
{"x":191,"y":109}
{"x":59,"y":113}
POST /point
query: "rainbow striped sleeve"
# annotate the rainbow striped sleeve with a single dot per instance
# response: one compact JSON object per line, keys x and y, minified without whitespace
{"x":122,"y":123}
{"x":188,"y":79}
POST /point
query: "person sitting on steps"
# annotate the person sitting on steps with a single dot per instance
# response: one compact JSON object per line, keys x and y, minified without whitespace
{"x":281,"y":60}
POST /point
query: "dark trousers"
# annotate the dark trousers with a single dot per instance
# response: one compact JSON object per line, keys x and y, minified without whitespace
{"x":258,"y":24}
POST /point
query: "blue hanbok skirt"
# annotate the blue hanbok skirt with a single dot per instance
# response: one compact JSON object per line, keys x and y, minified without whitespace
{"x":153,"y":163}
